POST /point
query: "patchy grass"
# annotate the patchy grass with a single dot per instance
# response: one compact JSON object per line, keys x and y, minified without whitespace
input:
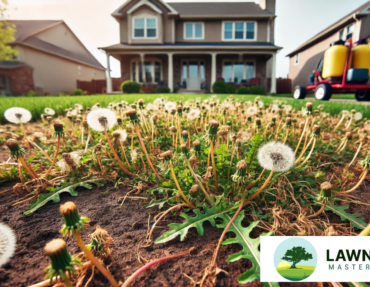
{"x":338,"y":96}
{"x":37,"y":105}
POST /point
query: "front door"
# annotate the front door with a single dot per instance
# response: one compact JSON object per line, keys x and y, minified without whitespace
{"x":193,"y":75}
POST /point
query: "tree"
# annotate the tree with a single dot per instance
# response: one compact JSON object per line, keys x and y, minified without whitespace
{"x":7,"y":31}
{"x":296,"y":255}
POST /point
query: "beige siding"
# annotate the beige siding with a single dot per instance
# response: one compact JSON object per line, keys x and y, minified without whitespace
{"x":54,"y":75}
{"x":62,"y":37}
{"x":365,"y":27}
{"x":308,"y":60}
{"x":213,"y":31}
{"x":145,"y":11}
{"x":270,"y":6}
{"x":123,"y":30}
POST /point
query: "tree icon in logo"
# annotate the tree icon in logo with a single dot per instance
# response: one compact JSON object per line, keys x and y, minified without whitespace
{"x":296,"y":255}
{"x":295,"y":259}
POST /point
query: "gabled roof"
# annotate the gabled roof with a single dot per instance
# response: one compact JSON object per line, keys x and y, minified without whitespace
{"x":359,"y":12}
{"x":219,"y":9}
{"x":118,"y":13}
{"x":26,"y":35}
{"x":144,"y":2}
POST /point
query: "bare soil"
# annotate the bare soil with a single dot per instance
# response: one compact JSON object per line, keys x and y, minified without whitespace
{"x":128,"y":226}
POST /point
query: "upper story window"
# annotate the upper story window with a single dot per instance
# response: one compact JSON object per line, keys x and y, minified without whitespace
{"x":145,"y":27}
{"x":193,"y":31}
{"x":239,"y":31}
{"x":296,"y":62}
{"x":346,"y":33}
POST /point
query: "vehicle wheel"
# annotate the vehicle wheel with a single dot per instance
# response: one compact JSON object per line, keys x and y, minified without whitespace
{"x":323,"y":92}
{"x":299,"y":92}
{"x":362,"y":95}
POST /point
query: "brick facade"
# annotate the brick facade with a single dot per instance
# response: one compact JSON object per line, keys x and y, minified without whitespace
{"x":19,"y":79}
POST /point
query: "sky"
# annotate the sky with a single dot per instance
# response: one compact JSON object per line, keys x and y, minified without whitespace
{"x":91,"y":20}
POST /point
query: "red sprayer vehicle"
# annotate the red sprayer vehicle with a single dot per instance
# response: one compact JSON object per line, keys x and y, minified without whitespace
{"x":344,"y":69}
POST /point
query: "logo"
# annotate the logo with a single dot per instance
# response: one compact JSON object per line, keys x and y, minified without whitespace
{"x":295,"y":259}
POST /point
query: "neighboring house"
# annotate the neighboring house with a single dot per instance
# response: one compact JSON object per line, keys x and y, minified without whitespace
{"x":187,"y":46}
{"x":305,"y":59}
{"x":50,"y":61}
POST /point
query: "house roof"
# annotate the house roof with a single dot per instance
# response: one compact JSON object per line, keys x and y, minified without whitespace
{"x":26,"y":35}
{"x":191,"y":45}
{"x":359,"y":12}
{"x":217,"y":9}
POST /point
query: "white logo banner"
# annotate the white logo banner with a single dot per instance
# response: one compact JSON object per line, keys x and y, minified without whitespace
{"x":315,"y":259}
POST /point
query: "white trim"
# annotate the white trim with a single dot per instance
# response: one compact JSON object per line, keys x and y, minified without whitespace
{"x":244,"y":31}
{"x":173,"y":31}
{"x":146,"y":59}
{"x":118,"y":13}
{"x":145,"y":27}
{"x":344,"y":37}
{"x":141,"y":3}
{"x":244,"y":61}
{"x":193,"y":38}
{"x":273,"y":75}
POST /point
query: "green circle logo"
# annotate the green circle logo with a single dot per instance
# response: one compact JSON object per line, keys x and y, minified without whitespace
{"x":295,"y":259}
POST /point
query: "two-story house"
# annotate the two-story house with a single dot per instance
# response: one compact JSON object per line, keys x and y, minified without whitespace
{"x":189,"y":46}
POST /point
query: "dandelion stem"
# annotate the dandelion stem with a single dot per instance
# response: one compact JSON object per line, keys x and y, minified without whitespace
{"x":150,"y":264}
{"x":357,"y":185}
{"x":95,"y":261}
{"x":179,"y":188}
{"x":260,"y":190}
{"x":304,"y":150}
{"x":365,"y":232}
{"x":358,"y":150}
{"x":125,"y":170}
{"x":201,"y":185}
{"x":318,"y":212}
{"x":124,"y":153}
{"x":302,"y":135}
{"x":29,"y":169}
{"x":214,"y":166}
{"x":55,"y":158}
{"x":144,"y":149}
{"x":309,"y":155}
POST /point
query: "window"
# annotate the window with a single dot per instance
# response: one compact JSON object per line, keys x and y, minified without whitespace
{"x":152,"y":71}
{"x":296,"y":59}
{"x":145,"y":28}
{"x":346,"y":33}
{"x":239,"y":31}
{"x":236,"y":71}
{"x":193,"y":31}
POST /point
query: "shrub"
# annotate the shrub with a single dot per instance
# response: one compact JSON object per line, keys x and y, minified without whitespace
{"x":163,"y":90}
{"x":78,"y":92}
{"x":130,"y":87}
{"x":32,"y":94}
{"x":257,"y":90}
{"x":220,"y":87}
{"x":231,"y":89}
{"x":243,"y":91}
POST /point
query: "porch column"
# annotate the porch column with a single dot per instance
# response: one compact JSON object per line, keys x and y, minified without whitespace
{"x":273,"y":75}
{"x":214,"y":72}
{"x":170,"y":72}
{"x":142,"y":56}
{"x":108,"y":77}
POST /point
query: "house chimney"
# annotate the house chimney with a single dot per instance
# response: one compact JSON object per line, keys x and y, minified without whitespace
{"x":262,"y":4}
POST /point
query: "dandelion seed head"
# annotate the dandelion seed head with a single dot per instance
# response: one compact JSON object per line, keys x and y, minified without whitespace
{"x":101,"y":119}
{"x":169,"y":106}
{"x":121,"y":135}
{"x":193,"y":114}
{"x":49,"y":111}
{"x":7,"y":243}
{"x":17,"y":115}
{"x":357,"y":116}
{"x":276,"y":156}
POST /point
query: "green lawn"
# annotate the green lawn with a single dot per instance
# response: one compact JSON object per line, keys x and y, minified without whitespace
{"x":302,"y":272}
{"x":37,"y":105}
{"x":338,"y":96}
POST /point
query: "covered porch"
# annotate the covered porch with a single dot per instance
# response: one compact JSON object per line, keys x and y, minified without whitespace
{"x":194,"y":70}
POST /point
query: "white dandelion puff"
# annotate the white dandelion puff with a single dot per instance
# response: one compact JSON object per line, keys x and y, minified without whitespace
{"x":275,"y":107}
{"x":244,"y":136}
{"x":158,"y":102}
{"x":17,"y":115}
{"x":276,"y":156}
{"x":78,"y":107}
{"x":251,"y":111}
{"x":345,"y":113}
{"x":357,"y":116}
{"x":134,"y":155}
{"x":260,"y":104}
{"x":7,"y":243}
{"x":193,"y":114}
{"x":151,"y":107}
{"x":101,"y":119}
{"x":49,"y":111}
{"x":121,"y":135}
{"x":170,"y":106}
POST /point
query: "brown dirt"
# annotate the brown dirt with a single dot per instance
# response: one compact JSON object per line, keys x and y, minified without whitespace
{"x":128,"y":226}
